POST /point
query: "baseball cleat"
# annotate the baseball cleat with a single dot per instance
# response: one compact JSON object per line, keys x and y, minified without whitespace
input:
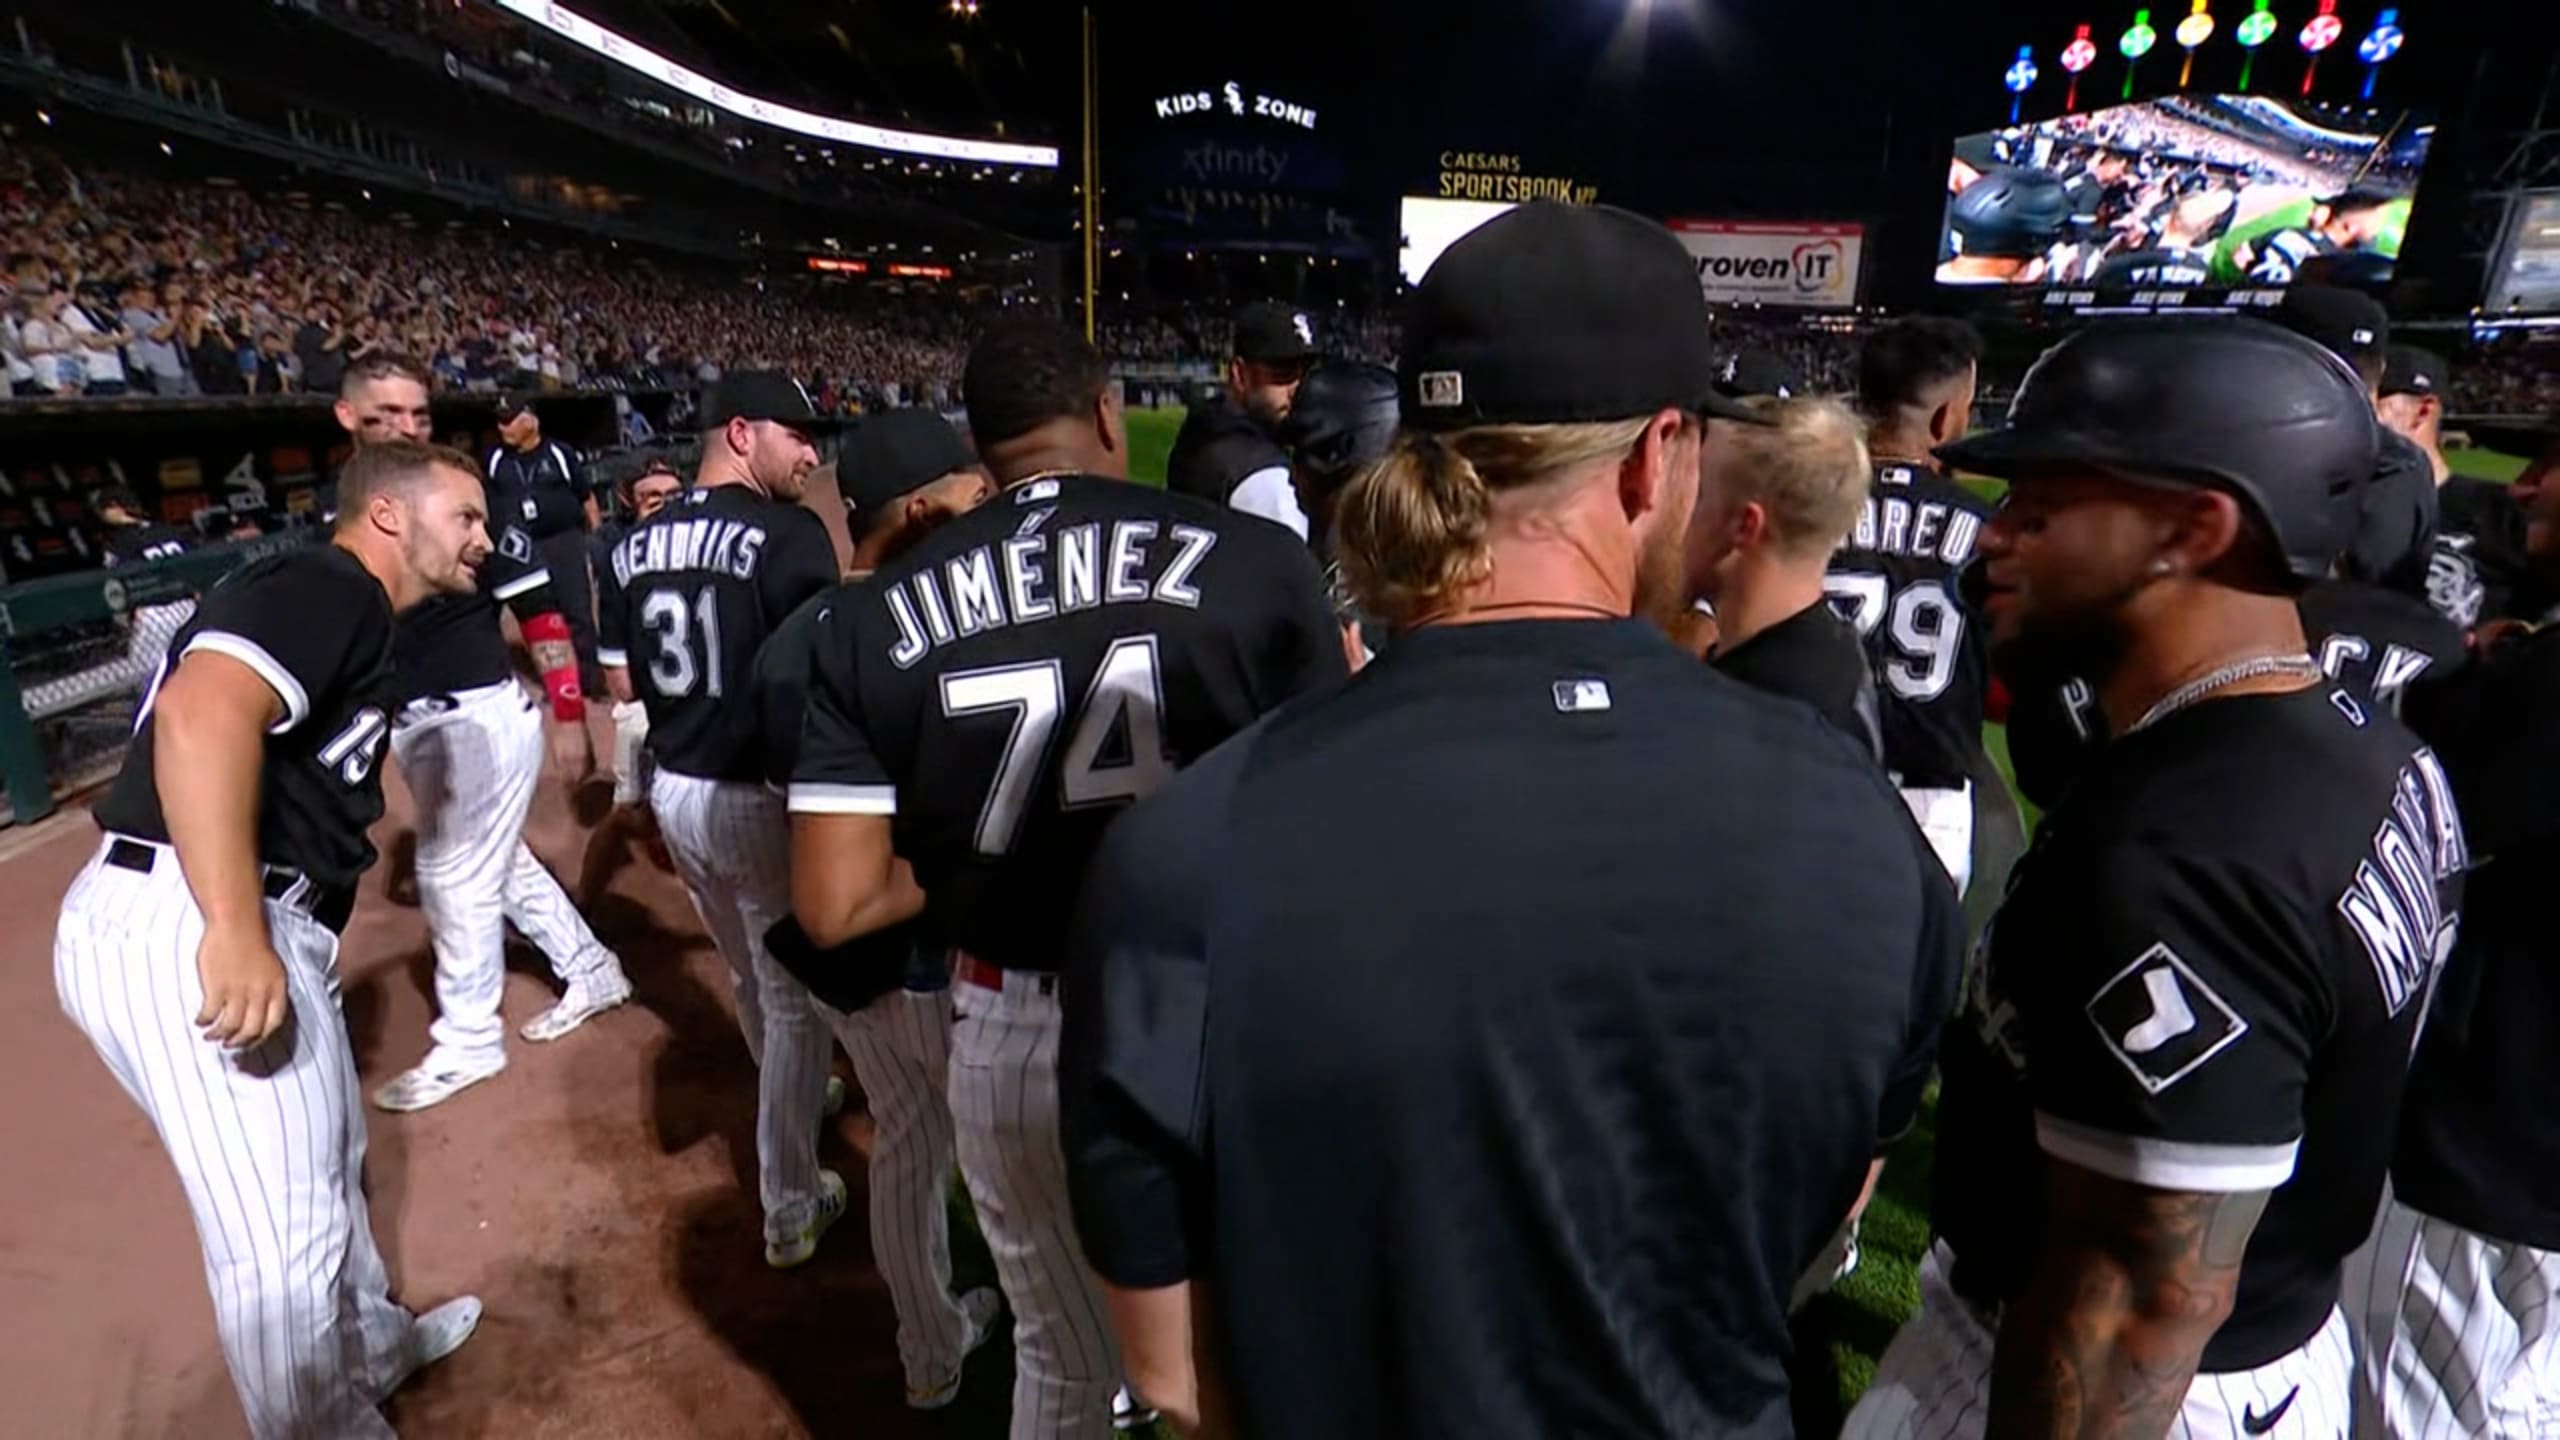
{"x":832,"y":1104}
{"x":984,"y":1307}
{"x":435,"y":1335}
{"x":1128,"y":1412}
{"x":585,"y":999}
{"x":423,"y":1086}
{"x":783,"y":1254}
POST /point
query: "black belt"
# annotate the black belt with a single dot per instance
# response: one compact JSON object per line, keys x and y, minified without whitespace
{"x":290,"y":888}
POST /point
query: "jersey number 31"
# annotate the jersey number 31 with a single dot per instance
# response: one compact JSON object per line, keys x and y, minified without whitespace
{"x":1127,"y":698}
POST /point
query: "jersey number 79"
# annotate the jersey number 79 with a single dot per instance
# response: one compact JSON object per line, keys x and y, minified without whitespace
{"x":1127,"y":698}
{"x":1921,"y":624}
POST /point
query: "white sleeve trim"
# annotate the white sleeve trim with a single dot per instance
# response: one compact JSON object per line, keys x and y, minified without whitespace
{"x":615,"y":659}
{"x":530,"y":580}
{"x":297,"y":702}
{"x":1268,"y":493}
{"x":2168,"y":1164}
{"x":814,"y":799}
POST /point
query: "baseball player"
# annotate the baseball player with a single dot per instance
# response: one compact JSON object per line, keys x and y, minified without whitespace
{"x":2005,"y":226}
{"x":1342,"y":420}
{"x":541,"y":485}
{"x":2165,"y":1108}
{"x":628,"y":823}
{"x":2455,"y":1288}
{"x":132,"y":539}
{"x":2396,"y":528}
{"x":982,"y":708}
{"x":1894,"y":577}
{"x":689,"y":598}
{"x":1228,"y":449}
{"x":2478,"y":565}
{"x":902,"y":474}
{"x":198,"y":948}
{"x":470,"y":745}
{"x":1449,"y":1135}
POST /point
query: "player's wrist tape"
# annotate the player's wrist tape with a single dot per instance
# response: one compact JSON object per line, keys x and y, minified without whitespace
{"x":561,"y":683}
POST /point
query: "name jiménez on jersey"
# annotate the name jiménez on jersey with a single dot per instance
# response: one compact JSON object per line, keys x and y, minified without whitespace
{"x":1038,"y":574}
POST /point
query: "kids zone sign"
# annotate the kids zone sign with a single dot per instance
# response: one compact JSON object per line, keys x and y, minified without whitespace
{"x":1753,"y":262}
{"x":1229,"y":101}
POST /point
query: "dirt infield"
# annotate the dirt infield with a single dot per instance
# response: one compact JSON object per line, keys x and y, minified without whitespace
{"x":598,"y":1196}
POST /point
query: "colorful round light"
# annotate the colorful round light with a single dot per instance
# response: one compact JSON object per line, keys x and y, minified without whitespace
{"x":2322,"y":32}
{"x":2384,"y":42}
{"x":2195,"y":30}
{"x":2021,"y":73}
{"x":2138,"y":39}
{"x":2079,"y":55}
{"x":2256,"y":28}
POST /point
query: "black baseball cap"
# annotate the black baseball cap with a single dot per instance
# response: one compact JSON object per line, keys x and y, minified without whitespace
{"x":1748,"y":373}
{"x":2348,"y":323}
{"x":1274,"y":333}
{"x":761,"y":395}
{"x":1557,"y":314}
{"x":895,"y":453}
{"x":2408,"y":370}
{"x":511,"y":405}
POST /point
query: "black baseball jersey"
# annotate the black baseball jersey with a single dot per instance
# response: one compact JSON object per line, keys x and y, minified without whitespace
{"x":1030,"y":668}
{"x":142,"y":544}
{"x":2479,"y":1135}
{"x":1434,"y":1023}
{"x":316,"y":626}
{"x":2378,"y":642}
{"x":687,"y":601}
{"x":2477,"y":567}
{"x":1894,"y":580}
{"x":1812,"y":656}
{"x":1217,"y":447}
{"x":2206,"y":977}
{"x":543,"y":489}
{"x":454,"y":642}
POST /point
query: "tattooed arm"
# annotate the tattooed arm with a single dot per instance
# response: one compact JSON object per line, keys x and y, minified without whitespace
{"x":2132,"y":1283}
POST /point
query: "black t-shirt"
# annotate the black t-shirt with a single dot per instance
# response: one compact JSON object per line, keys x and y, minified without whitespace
{"x":316,"y":627}
{"x":543,"y":489}
{"x":1007,"y":686}
{"x":1537,"y":1069}
{"x":2206,"y":977}
{"x":2479,"y":1135}
{"x":1894,"y":580}
{"x":2478,"y":569}
{"x":142,"y":544}
{"x":1217,"y":447}
{"x":687,"y":601}
{"x":1812,"y":656}
{"x":447,"y":643}
{"x":2378,"y":642}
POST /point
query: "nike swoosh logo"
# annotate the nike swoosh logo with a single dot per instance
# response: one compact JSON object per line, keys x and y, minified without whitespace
{"x":2256,"y":1424}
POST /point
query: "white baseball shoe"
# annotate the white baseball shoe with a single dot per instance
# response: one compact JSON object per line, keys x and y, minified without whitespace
{"x":432,"y":1083}
{"x":587,"y":997}
{"x":783,"y":1254}
{"x":831,"y":1104}
{"x":984,"y":1306}
{"x":435,"y":1335}
{"x":1129,"y":1413}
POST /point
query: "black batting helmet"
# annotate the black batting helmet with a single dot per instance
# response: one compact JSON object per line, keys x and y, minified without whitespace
{"x":2243,"y":406}
{"x":2010,"y":212}
{"x":1343,"y":417}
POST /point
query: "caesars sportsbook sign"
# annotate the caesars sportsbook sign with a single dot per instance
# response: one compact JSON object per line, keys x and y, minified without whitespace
{"x":1752,"y":262}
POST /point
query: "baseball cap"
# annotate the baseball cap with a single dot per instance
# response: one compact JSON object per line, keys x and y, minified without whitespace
{"x":1552,"y":313}
{"x":1757,"y":372}
{"x":2011,"y":212}
{"x":2347,"y":323}
{"x":2408,"y":370}
{"x":760,"y":395}
{"x":511,"y":405}
{"x":894,"y":453}
{"x":1273,"y":332}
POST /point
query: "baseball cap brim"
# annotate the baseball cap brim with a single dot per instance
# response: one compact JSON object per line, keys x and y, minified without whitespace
{"x":1716,"y":405}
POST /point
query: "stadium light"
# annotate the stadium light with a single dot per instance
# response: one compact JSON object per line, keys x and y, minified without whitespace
{"x":2318,"y":34}
{"x":2077,"y":56}
{"x":2256,"y":29}
{"x":2135,"y":43}
{"x":2383,"y":42}
{"x":2020,"y":76}
{"x":2193,"y":31}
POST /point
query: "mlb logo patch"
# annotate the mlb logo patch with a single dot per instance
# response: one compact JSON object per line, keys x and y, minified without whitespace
{"x":1441,"y":389}
{"x":1575,"y":697}
{"x":1035,"y":492}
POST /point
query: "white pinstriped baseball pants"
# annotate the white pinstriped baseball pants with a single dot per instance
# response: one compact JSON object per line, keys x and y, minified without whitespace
{"x":1934,"y":1382}
{"x":472,"y":771}
{"x":268,"y":1143}
{"x":1004,"y":1094}
{"x":2461,"y":1339}
{"x":901,"y":1049}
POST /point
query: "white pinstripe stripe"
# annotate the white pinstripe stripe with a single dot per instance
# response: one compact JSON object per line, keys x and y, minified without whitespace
{"x":900,"y":1045}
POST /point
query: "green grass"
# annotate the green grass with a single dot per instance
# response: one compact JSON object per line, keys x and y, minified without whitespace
{"x":1151,"y":435}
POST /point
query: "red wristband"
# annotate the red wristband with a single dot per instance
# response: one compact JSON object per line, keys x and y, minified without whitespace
{"x":567,"y":702}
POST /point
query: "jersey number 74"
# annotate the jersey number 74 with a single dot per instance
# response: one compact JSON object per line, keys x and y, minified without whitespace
{"x":1127,"y":697}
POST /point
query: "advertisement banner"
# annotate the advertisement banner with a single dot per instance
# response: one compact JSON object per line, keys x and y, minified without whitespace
{"x":1760,"y":262}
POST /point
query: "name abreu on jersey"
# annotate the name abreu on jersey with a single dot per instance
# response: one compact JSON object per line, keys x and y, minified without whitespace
{"x":1040,"y":573}
{"x":1924,"y":529}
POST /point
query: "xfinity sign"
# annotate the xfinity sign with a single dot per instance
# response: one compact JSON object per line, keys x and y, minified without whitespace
{"x":1766,"y":263}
